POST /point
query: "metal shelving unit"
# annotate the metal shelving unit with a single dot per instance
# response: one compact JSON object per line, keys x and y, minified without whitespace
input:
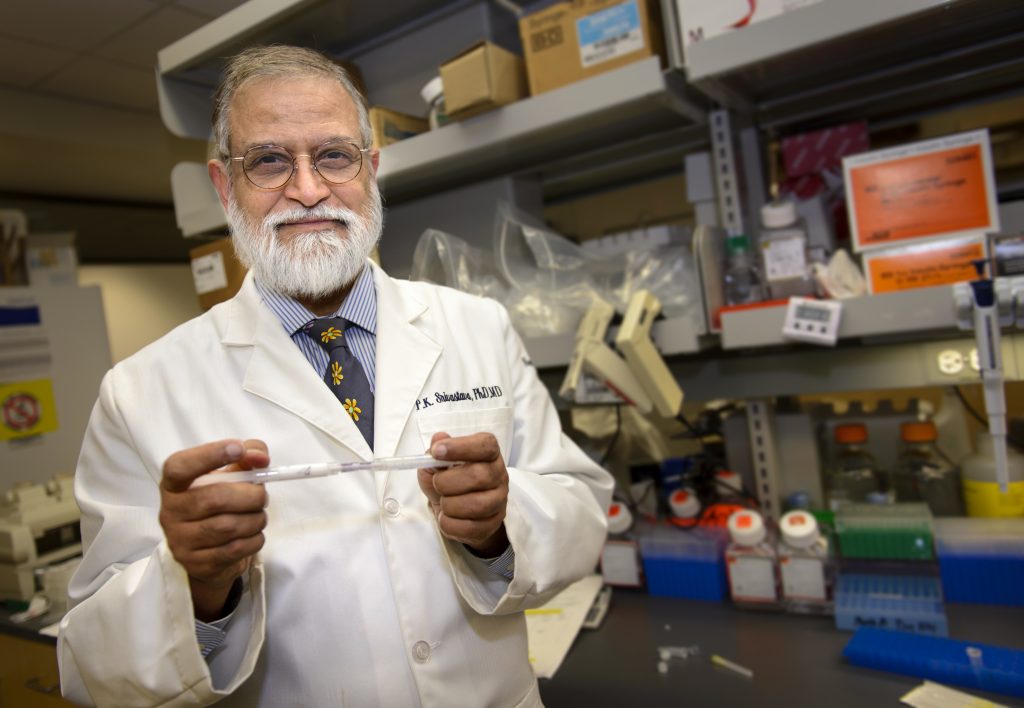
{"x":908,"y":313}
{"x":838,"y":60}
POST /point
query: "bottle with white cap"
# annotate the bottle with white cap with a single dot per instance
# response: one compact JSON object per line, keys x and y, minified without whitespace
{"x":433,"y":95}
{"x":750,"y":562}
{"x":783,"y":241}
{"x":620,"y":558}
{"x":684,"y":503}
{"x":804,"y":564}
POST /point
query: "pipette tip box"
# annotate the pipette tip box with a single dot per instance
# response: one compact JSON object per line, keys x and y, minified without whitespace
{"x":908,"y":603}
{"x":981,"y":560}
{"x":885,"y":531}
{"x":687,"y":564}
{"x":949,"y":661}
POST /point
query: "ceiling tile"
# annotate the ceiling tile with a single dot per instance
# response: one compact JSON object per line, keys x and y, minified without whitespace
{"x":210,"y":8}
{"x":72,"y":25}
{"x":105,"y":82}
{"x":140,"y":44}
{"x":24,"y":63}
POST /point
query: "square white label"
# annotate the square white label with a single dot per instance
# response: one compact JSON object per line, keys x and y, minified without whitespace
{"x":208,"y":273}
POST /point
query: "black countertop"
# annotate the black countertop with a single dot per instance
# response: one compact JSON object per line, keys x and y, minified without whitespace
{"x":797,"y":660}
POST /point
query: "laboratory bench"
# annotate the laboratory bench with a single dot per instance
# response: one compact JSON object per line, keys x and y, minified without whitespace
{"x":797,"y":660}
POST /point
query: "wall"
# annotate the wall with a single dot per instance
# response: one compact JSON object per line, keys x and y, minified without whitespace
{"x":141,"y":302}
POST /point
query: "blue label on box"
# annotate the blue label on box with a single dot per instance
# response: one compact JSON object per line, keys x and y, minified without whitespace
{"x":610,"y":33}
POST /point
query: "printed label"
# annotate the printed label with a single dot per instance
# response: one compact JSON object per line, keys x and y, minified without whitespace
{"x":610,"y":34}
{"x":936,"y":263}
{"x":784,"y":257}
{"x":803,"y":578}
{"x":208,"y":273}
{"x":752,"y":578}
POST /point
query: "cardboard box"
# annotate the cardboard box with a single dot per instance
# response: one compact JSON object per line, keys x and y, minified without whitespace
{"x":216,"y":272}
{"x":578,"y":39}
{"x":51,"y":259}
{"x":391,"y":126}
{"x":482,"y":78}
{"x":923,"y":265}
{"x":932,"y":189}
{"x":704,"y":19}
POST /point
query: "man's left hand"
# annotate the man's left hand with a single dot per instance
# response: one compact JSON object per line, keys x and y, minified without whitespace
{"x":469,"y":500}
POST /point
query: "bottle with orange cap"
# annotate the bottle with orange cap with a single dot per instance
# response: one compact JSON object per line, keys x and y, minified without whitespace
{"x":751,"y":563}
{"x":854,"y":475}
{"x":923,"y":473}
{"x":805,"y":565}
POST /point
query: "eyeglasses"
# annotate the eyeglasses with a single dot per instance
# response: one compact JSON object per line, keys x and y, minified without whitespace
{"x":271,"y":166}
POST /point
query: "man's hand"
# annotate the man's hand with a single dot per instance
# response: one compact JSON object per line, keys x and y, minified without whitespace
{"x":213,"y":531}
{"x":469,"y":500}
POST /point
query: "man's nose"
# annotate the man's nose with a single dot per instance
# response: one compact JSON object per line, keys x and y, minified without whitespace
{"x":306,"y":185}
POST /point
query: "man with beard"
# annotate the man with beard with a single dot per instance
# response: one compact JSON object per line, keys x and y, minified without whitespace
{"x":402,"y":588}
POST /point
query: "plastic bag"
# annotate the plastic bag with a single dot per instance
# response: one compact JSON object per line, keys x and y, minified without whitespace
{"x":444,"y":259}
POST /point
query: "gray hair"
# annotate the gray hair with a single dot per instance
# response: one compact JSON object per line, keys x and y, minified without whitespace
{"x":279,"y":61}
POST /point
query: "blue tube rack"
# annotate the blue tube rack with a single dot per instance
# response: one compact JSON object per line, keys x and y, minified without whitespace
{"x":903,"y":602}
{"x":950,"y":661}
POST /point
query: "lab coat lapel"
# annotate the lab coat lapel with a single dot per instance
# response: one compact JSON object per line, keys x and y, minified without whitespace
{"x":405,"y":357}
{"x":279,"y":373}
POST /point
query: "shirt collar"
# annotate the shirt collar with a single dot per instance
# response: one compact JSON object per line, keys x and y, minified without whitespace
{"x":359,"y":306}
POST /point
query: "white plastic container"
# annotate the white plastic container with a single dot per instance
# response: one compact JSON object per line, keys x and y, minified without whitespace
{"x":433,"y":95}
{"x":804,"y":565}
{"x":684,"y":503}
{"x":783,"y":242}
{"x":981,"y":490}
{"x":751,"y":562}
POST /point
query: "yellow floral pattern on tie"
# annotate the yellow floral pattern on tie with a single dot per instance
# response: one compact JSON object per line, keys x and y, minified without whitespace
{"x":352,"y":408}
{"x":336,"y":375}
{"x":329,"y":334}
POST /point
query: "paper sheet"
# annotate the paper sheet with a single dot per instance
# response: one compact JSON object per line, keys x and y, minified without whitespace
{"x":552,"y":628}
{"x":933,"y":695}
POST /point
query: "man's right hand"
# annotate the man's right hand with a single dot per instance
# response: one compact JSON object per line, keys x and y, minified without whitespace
{"x":215,"y":530}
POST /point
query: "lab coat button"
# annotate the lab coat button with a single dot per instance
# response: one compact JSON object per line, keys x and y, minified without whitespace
{"x":421,"y":652}
{"x":392,"y":507}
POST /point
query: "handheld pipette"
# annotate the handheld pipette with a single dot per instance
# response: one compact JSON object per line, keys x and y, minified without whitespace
{"x":990,"y":364}
{"x":321,"y":469}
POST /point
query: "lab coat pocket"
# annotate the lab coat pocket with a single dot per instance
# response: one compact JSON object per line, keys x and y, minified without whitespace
{"x":497,"y":421}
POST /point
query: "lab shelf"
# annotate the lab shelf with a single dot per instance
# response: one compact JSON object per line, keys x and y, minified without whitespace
{"x":188,"y":70}
{"x":909,"y":312}
{"x":837,"y":60}
{"x":567,"y":123}
{"x":670,"y":336}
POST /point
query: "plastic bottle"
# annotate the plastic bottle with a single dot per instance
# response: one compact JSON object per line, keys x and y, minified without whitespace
{"x":620,"y":558}
{"x":982,"y":496}
{"x":433,"y":96}
{"x":783,"y":242}
{"x":684,"y":503}
{"x":923,"y":474}
{"x":853,"y":476}
{"x":743,"y":281}
{"x":751,"y":563}
{"x":804,"y":565}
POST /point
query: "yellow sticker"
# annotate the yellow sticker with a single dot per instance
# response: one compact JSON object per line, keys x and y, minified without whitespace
{"x":27,"y":408}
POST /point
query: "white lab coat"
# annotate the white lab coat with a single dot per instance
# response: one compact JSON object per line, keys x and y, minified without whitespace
{"x":356,"y":599}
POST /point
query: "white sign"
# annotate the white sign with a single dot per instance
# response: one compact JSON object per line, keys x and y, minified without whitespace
{"x":208,"y":273}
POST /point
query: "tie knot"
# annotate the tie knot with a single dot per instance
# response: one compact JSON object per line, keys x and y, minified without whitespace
{"x":328,"y":332}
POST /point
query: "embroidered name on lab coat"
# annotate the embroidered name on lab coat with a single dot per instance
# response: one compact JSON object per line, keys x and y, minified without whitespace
{"x":475,"y":394}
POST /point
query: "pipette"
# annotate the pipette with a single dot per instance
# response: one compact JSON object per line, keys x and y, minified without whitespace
{"x":321,"y":469}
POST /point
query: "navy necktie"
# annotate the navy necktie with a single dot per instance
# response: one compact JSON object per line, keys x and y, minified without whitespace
{"x":345,"y":375}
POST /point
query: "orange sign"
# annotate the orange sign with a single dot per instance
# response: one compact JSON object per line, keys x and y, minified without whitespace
{"x":926,"y":190}
{"x":935,"y":263}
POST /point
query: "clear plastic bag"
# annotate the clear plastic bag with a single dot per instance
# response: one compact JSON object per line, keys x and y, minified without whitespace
{"x":444,"y":259}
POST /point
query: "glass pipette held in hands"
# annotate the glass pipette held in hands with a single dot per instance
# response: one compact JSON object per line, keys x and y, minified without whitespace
{"x":321,"y":469}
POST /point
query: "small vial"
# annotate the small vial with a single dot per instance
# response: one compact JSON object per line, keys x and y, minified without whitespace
{"x":751,"y":563}
{"x":804,"y":565}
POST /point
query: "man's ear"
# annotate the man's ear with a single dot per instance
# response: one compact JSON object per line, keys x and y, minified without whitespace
{"x":375,"y":160}
{"x":219,"y":177}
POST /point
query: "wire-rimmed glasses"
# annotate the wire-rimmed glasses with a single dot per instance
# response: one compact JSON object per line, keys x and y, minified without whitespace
{"x":271,"y":166}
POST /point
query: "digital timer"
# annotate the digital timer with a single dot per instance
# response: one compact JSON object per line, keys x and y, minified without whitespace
{"x":813,"y":321}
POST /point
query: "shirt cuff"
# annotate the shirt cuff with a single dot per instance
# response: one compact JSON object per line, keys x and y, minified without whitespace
{"x":211,"y":635}
{"x":504,"y":565}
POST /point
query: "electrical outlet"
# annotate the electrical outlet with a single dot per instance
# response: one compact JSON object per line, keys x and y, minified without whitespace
{"x":973,"y":360}
{"x":951,"y":362}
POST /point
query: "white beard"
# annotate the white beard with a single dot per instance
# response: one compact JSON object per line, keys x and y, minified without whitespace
{"x":311,"y":264}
